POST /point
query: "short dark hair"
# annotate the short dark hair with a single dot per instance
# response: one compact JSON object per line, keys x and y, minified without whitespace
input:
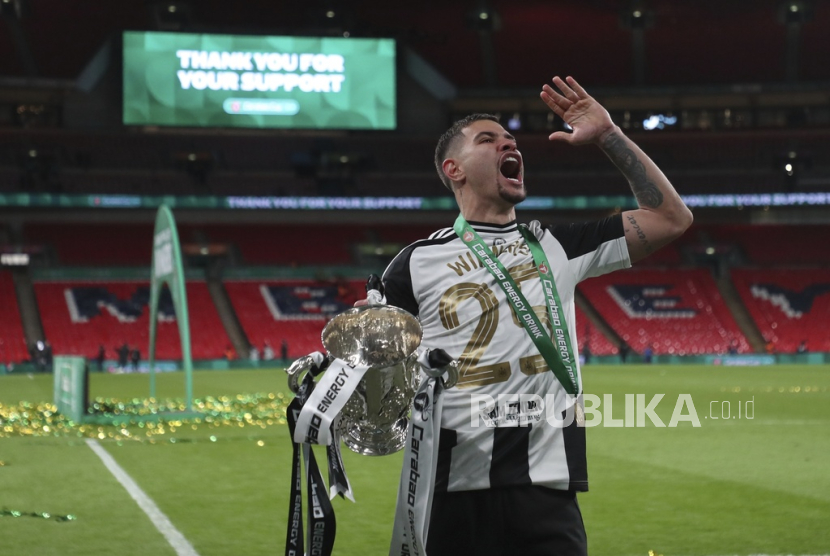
{"x":445,"y":143}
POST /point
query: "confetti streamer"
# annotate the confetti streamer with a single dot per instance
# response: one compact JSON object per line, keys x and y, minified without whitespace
{"x":42,"y":419}
{"x":42,"y":515}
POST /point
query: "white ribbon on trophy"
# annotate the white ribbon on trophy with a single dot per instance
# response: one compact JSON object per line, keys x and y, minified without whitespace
{"x":409,"y":533}
{"x":326,"y":402}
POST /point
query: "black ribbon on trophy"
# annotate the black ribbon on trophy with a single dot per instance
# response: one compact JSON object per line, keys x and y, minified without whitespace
{"x":372,"y":372}
{"x":321,"y":522}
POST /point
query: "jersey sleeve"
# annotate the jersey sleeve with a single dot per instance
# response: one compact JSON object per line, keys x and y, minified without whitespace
{"x":397,"y":283}
{"x":594,"y":248}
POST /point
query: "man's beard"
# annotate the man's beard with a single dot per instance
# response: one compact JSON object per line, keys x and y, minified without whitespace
{"x":512,"y":196}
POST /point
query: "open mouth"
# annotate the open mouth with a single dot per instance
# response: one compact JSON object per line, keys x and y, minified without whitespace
{"x":510,"y":166}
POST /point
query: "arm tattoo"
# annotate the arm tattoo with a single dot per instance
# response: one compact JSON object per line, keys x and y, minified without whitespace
{"x":646,"y":192}
{"x":641,"y":235}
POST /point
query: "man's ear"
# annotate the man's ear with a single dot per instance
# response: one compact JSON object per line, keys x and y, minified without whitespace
{"x":452,"y":170}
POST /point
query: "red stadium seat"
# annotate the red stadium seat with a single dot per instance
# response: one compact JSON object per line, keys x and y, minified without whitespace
{"x":208,"y":337}
{"x":12,"y":340}
{"x":301,"y":330}
{"x":788,"y":305}
{"x":588,"y":334}
{"x":677,"y":312}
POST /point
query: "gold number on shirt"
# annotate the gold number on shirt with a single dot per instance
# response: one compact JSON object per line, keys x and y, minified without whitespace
{"x":469,"y":373}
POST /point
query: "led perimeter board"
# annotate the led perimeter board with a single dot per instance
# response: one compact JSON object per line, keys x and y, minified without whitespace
{"x":201,"y":80}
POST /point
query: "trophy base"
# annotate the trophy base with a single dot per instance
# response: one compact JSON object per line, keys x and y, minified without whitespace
{"x":370,"y":441}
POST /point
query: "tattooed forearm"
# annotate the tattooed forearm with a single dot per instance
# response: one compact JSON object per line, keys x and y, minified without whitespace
{"x":641,"y":235}
{"x":646,"y":192}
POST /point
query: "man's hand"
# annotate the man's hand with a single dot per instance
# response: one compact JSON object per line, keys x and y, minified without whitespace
{"x":589,"y":120}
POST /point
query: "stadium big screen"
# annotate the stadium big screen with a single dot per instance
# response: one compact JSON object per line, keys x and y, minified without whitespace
{"x":201,"y":80}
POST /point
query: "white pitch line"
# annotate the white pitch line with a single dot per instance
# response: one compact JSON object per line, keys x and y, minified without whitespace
{"x":179,"y":543}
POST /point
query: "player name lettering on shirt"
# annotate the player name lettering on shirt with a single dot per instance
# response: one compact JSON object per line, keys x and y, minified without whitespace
{"x":467,"y":262}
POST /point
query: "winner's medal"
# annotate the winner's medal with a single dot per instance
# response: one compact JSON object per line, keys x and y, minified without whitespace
{"x":579,"y":414}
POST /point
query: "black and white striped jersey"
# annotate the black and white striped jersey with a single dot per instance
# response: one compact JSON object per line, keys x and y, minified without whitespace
{"x":464,"y":311}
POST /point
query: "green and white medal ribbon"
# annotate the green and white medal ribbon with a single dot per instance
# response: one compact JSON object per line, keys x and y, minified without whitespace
{"x":560,"y":358}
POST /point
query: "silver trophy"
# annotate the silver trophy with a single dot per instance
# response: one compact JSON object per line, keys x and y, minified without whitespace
{"x":374,"y":420}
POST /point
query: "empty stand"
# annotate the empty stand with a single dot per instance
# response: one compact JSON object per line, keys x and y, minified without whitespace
{"x":294,"y":311}
{"x":12,"y":339}
{"x":410,"y":233}
{"x":95,"y":244}
{"x":80,"y":244}
{"x":665,"y":256}
{"x":588,"y":335}
{"x":776,"y":245}
{"x":290,"y":244}
{"x":677,"y":312}
{"x":788,"y":305}
{"x":80,"y":316}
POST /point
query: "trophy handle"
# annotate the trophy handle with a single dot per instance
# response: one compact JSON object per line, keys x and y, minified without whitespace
{"x":439,"y":362}
{"x":452,"y":374}
{"x":315,"y":363}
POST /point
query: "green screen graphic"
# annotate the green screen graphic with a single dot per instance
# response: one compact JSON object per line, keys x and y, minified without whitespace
{"x":185,"y":79}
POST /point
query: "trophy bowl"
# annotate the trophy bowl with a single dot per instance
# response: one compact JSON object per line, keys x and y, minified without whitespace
{"x":384,"y":338}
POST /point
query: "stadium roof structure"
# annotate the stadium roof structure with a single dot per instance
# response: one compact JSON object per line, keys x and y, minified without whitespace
{"x":710,"y":65}
{"x":505,"y":45}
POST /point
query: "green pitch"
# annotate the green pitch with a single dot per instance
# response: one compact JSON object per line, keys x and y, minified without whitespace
{"x":733,"y":486}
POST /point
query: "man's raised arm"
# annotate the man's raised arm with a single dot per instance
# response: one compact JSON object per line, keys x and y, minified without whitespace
{"x":662,"y":216}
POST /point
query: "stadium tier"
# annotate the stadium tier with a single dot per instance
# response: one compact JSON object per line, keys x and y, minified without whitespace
{"x":589,"y":335}
{"x":80,"y":244}
{"x":776,"y":245}
{"x":290,"y":244}
{"x":12,"y":340}
{"x":94,"y":162}
{"x":666,"y":256}
{"x":290,"y":311}
{"x":405,"y":235}
{"x":303,"y":244}
{"x":257,"y":244}
{"x":678,"y":312}
{"x":78,"y":317}
{"x":95,"y":244}
{"x":789,"y":306}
